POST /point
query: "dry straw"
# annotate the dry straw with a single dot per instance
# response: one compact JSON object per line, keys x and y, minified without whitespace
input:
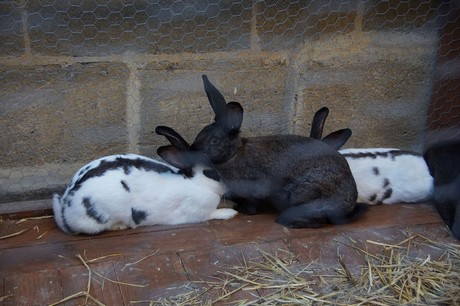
{"x":399,"y":274}
{"x":86,"y":293}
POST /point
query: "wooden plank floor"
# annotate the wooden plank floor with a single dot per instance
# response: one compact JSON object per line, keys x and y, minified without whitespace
{"x":40,"y":266}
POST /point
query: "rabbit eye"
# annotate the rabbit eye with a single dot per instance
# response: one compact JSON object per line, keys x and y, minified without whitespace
{"x":214,"y":141}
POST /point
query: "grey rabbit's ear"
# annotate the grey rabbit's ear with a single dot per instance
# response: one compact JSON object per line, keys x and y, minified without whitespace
{"x":176,"y":157}
{"x":338,"y":138}
{"x":317,"y":124}
{"x":174,"y":138}
{"x":217,"y":101}
{"x":234,"y":116}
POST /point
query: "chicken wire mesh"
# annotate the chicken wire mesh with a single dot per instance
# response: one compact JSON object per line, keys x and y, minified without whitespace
{"x":83,"y":79}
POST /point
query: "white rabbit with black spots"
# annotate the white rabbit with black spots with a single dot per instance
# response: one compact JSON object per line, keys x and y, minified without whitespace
{"x":126,"y":191}
{"x":382,"y":175}
{"x":389,"y":176}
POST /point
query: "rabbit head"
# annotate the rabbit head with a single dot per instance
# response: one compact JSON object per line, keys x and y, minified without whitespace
{"x":180,"y":154}
{"x":220,"y":139}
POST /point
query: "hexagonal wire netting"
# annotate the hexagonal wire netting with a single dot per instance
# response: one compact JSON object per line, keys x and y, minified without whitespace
{"x":47,"y":46}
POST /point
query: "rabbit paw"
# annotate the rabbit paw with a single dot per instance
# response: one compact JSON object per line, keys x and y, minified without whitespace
{"x":223,"y":214}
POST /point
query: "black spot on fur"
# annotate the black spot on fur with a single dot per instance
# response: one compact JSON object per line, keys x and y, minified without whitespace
{"x":92,"y":212}
{"x":138,"y":215}
{"x":186,"y":173}
{"x":84,"y":170}
{"x":372,"y":198}
{"x":67,"y":202}
{"x":387,"y":194}
{"x":123,"y":183}
{"x":386,"y":183}
{"x":120,"y":162}
{"x":376,"y":171}
{"x":389,"y":154}
{"x":212,"y":174}
{"x":65,"y":223}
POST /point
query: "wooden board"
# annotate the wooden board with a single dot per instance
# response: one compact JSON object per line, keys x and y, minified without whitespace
{"x":40,"y":266}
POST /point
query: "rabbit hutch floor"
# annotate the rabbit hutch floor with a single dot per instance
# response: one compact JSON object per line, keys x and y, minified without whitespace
{"x":202,"y":263}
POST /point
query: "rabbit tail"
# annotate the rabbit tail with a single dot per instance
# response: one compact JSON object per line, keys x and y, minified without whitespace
{"x":319,"y":213}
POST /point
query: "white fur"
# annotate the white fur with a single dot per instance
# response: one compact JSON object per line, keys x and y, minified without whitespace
{"x":408,"y":177}
{"x":168,"y":198}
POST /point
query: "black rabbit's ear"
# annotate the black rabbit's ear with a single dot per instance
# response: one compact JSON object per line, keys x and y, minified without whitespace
{"x":338,"y":138}
{"x":217,"y":101}
{"x":234,"y":116}
{"x":317,"y":124}
{"x":174,"y":138}
{"x":176,"y":157}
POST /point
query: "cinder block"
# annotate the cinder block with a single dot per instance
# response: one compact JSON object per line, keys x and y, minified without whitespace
{"x":89,"y":29}
{"x":11,"y":29}
{"x":404,"y":15}
{"x":380,"y":89}
{"x":177,"y":98}
{"x":59,"y":115}
{"x":287,"y":24}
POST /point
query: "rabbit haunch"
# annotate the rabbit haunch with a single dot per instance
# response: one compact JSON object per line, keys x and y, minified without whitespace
{"x":388,"y":176}
{"x":306,"y":180}
{"x":443,"y":160}
{"x":121,"y":191}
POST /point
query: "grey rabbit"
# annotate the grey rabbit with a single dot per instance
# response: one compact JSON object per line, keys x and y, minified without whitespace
{"x":443,"y":160}
{"x":307,"y":181}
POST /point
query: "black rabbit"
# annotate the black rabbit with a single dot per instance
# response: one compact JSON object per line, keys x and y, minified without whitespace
{"x":306,"y":180}
{"x":335,"y":139}
{"x":443,"y":160}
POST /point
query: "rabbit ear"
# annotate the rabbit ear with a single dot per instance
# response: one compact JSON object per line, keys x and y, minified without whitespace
{"x":338,"y":138}
{"x":174,"y":138}
{"x":217,"y":101}
{"x":234,"y":116}
{"x":317,"y":124}
{"x":176,"y":157}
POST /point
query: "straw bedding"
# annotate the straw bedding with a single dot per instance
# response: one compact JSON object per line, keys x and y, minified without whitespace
{"x":399,"y":274}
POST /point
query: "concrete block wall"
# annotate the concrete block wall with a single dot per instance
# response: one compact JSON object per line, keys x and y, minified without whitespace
{"x":81,"y":81}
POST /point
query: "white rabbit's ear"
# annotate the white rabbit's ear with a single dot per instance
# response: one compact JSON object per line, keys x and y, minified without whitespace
{"x":234,"y":116}
{"x":174,"y":138}
{"x":338,"y":138}
{"x":317,"y":124}
{"x":217,"y":101}
{"x":174,"y":156}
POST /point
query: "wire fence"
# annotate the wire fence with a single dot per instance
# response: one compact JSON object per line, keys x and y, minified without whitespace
{"x":122,"y":43}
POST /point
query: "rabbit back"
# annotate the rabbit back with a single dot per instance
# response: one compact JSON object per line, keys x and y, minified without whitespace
{"x":388,"y":176}
{"x":139,"y":191}
{"x":292,"y":170}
